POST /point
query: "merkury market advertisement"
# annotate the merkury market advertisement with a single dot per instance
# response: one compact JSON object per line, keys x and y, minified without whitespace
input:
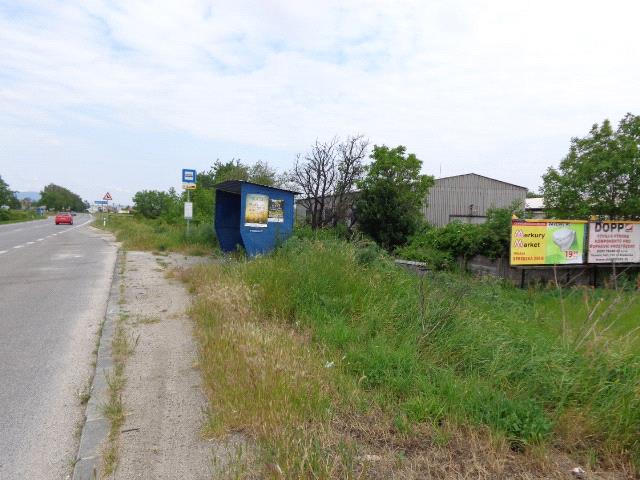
{"x":547,"y":242}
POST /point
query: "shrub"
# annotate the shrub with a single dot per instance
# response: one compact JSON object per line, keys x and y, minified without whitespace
{"x":440,"y":246}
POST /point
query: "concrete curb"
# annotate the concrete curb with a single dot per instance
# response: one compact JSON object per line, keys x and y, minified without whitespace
{"x":96,"y":426}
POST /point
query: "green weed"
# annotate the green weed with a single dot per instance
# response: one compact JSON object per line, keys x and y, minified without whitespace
{"x":471,"y":351}
{"x":138,"y":233}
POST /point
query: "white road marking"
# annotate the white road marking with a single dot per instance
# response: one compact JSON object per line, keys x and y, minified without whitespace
{"x":50,"y":235}
{"x":77,"y":226}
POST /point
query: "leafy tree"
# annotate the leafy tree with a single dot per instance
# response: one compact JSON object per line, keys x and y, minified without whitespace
{"x":203,"y":196}
{"x":156,"y":204}
{"x":59,"y":198}
{"x":260,"y":172}
{"x":7,"y":196}
{"x":392,"y":195}
{"x":231,"y":170}
{"x":599,"y":176}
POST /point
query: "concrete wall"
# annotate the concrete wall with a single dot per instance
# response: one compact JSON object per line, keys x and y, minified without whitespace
{"x":591,"y":275}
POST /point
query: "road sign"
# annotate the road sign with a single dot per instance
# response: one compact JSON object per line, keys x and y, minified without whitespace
{"x":101,"y":202}
{"x":188,"y":175}
{"x":107,"y":196}
{"x":188,"y":210}
{"x":188,"y":186}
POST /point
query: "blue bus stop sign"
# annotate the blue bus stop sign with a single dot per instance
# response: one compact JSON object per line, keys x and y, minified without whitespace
{"x":188,"y":175}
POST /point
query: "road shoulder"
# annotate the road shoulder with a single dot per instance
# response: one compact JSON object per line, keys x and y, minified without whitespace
{"x":96,"y":425}
{"x":163,"y":400}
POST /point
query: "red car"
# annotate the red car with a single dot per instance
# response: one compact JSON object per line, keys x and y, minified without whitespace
{"x":64,"y":217}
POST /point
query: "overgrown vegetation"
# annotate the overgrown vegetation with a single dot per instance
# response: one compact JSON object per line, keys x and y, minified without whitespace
{"x":168,"y":206}
{"x":392,"y":194}
{"x":439,"y":247}
{"x":121,"y":348}
{"x":13,"y":216}
{"x":599,"y":176}
{"x":540,"y":369}
{"x":8,"y":196}
{"x":138,"y":233}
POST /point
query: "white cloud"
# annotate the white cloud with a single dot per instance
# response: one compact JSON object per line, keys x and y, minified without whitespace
{"x":487,"y":86}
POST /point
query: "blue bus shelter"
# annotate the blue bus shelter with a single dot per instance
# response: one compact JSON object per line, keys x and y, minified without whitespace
{"x":252,"y":216}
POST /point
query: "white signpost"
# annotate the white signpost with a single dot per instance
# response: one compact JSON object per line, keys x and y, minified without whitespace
{"x":188,"y":184}
{"x":106,"y":198}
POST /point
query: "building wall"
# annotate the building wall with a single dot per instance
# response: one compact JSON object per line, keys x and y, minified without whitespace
{"x":467,"y":198}
{"x":451,"y":199}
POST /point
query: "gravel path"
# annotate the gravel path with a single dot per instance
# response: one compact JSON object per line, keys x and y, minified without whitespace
{"x":163,"y":399}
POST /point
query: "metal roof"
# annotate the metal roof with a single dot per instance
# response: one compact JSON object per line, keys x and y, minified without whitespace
{"x":482,"y":176}
{"x":234,"y":186}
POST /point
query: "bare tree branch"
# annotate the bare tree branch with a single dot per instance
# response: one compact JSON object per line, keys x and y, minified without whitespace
{"x":327,"y":175}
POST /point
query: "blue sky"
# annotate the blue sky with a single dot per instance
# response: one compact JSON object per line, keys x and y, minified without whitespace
{"x":119,"y":96}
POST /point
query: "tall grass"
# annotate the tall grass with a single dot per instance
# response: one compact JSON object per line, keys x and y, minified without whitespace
{"x":454,"y":348}
{"x":262,"y":380}
{"x":15,"y":216}
{"x":137,"y":233}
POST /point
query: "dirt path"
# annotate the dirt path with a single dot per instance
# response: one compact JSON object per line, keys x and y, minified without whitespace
{"x":163,"y":400}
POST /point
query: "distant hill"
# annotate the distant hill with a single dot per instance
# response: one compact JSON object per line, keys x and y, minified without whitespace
{"x":35,"y":196}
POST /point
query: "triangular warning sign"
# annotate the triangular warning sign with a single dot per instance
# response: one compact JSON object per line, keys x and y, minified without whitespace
{"x":107,"y":196}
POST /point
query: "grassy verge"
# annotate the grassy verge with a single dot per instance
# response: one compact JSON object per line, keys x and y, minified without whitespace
{"x":138,"y":233}
{"x":330,"y":357}
{"x":121,"y":348}
{"x":16,"y":216}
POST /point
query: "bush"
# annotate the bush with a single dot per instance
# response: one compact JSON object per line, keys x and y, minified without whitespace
{"x":138,"y":233}
{"x":419,"y":252}
{"x":10,"y":216}
{"x":440,"y":246}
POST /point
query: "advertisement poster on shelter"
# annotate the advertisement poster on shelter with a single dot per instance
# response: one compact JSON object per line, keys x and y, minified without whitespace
{"x":256,"y":211}
{"x":546,"y":242}
{"x":611,"y":242}
{"x":276,"y":211}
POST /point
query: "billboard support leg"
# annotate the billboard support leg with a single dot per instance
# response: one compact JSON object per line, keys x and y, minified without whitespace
{"x":522,"y":277}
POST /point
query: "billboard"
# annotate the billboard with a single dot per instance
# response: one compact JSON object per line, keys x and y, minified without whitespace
{"x":614,"y":241}
{"x":547,"y":242}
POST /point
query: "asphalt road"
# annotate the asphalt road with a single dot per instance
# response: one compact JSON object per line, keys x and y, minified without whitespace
{"x":54,"y":285}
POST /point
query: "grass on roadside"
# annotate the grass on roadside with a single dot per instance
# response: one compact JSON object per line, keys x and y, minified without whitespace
{"x":322,"y":332}
{"x":121,"y":347}
{"x":16,"y":216}
{"x":138,"y":233}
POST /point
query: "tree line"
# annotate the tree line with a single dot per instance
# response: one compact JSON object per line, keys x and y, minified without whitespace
{"x":52,"y":196}
{"x":344,"y":181}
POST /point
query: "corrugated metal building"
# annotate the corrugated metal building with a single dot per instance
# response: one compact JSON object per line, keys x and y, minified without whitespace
{"x":467,"y":198}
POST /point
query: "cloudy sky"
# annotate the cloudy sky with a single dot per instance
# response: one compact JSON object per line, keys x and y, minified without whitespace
{"x":120,"y":95}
